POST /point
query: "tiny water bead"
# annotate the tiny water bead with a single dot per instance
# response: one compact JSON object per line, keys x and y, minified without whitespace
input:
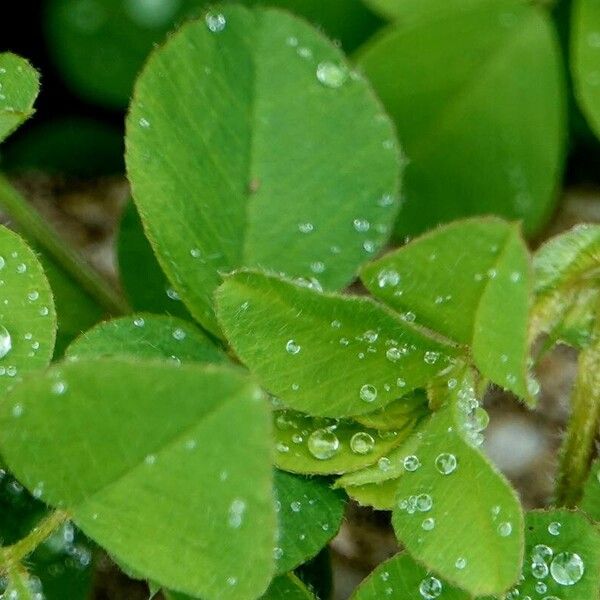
{"x":446,"y":463}
{"x":411,"y":463}
{"x":216,"y":22}
{"x":554,"y":528}
{"x":362,"y":443}
{"x":428,"y":524}
{"x":368,"y":393}
{"x":292,"y":347}
{"x":5,"y":341}
{"x":430,"y":588}
{"x":460,"y":563}
{"x":179,"y":334}
{"x":384,"y":464}
{"x":504,"y":529}
{"x":331,"y":75}
{"x":388,"y":278}
{"x":236,"y":513}
{"x":323,"y":444}
{"x":423,"y":502}
{"x":567,"y":568}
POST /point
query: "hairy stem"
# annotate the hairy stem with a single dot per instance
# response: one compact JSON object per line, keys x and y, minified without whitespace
{"x":39,"y":231}
{"x":578,"y":444}
{"x":12,"y":556}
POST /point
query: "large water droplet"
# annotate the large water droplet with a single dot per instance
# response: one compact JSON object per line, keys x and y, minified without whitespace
{"x":216,"y":22}
{"x":430,"y":588}
{"x":362,"y":443}
{"x":5,"y":341}
{"x":323,"y":444}
{"x":567,"y":568}
{"x":331,"y":75}
{"x":368,"y":393}
{"x":445,"y":463}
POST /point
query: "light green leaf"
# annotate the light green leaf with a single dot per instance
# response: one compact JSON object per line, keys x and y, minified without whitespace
{"x":327,"y":446}
{"x":456,"y":514}
{"x":562,"y":557}
{"x":585,"y":58}
{"x":567,"y":273}
{"x":477,"y":96}
{"x":19,"y":87}
{"x":380,"y":496}
{"x":590,"y":503}
{"x":147,"y":336}
{"x":145,"y":283}
{"x":469,"y":281}
{"x":163,"y":461}
{"x":323,"y":354}
{"x":409,"y":12}
{"x":27,"y":317}
{"x":401,"y":577}
{"x":310,"y":514}
{"x":221,"y":184}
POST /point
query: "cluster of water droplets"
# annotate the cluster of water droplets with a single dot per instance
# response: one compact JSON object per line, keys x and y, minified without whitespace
{"x":473,"y":418}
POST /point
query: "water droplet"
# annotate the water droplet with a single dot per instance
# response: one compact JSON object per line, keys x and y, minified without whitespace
{"x":411,"y":463}
{"x":431,"y":357}
{"x":370,"y":336}
{"x":143,"y":122}
{"x":21,"y":268}
{"x":323,"y":444}
{"x":317,"y":267}
{"x":292,"y":347}
{"x":446,"y":463}
{"x":150,"y":459}
{"x":33,"y":296}
{"x":554,"y":528}
{"x":17,"y":410}
{"x":384,"y":464}
{"x":567,"y":568}
{"x":504,"y":529}
{"x":423,"y":502}
{"x":216,"y":22}
{"x":306,"y":227}
{"x":179,"y":334}
{"x":388,"y":278}
{"x":394,"y":354}
{"x":541,"y":587}
{"x":139,"y":322}
{"x":430,"y":588}
{"x":428,"y":524}
{"x":236,"y":513}
{"x":277,"y":553}
{"x":362,"y":443}
{"x":59,"y":387}
{"x":5,"y":341}
{"x":331,"y":75}
{"x":361,"y":225}
{"x":460,"y":563}
{"x":336,"y":324}
{"x":541,"y":552}
{"x":368,"y":393}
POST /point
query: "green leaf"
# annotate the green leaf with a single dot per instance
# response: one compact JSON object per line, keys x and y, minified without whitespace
{"x":163,"y":461}
{"x":222,"y":184}
{"x":27,"y":317}
{"x":590,"y":503}
{"x":327,"y":446}
{"x":409,"y":12}
{"x":585,"y":54}
{"x":323,"y":354}
{"x":456,"y":514}
{"x":147,"y":336}
{"x":19,"y":87}
{"x":567,"y":273}
{"x":401,"y":577}
{"x":144,"y":281}
{"x":310,"y":514}
{"x":471,"y":282}
{"x":398,"y":413}
{"x":562,"y":557}
{"x":380,"y":496}
{"x":477,"y":96}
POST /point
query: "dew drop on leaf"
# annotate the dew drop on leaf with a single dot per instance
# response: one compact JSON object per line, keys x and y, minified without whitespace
{"x":460,"y":563}
{"x":362,"y":443}
{"x":423,"y":502}
{"x":445,"y":463}
{"x":323,"y":444}
{"x":331,"y":75}
{"x":567,"y":568}
{"x":554,"y":528}
{"x":504,"y":529}
{"x":5,"y":341}
{"x":368,"y":393}
{"x":430,"y":588}
{"x":291,"y":347}
{"x":411,"y":463}
{"x":215,"y":22}
{"x":428,"y":524}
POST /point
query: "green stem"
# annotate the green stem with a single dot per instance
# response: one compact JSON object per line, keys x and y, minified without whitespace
{"x":12,"y":556}
{"x":35,"y":228}
{"x":578,"y":445}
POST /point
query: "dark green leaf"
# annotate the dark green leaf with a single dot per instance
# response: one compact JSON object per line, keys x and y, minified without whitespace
{"x":19,"y":87}
{"x":283,"y":177}
{"x":401,"y":577}
{"x":469,"y":281}
{"x":324,"y":354}
{"x":153,"y":461}
{"x":147,"y":336}
{"x":478,"y":100}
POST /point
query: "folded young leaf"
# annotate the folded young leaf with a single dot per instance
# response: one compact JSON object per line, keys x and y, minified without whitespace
{"x":324,"y":354}
{"x":397,"y":413}
{"x":19,"y":87}
{"x":309,"y":513}
{"x":585,"y":54}
{"x":562,"y":557}
{"x":27,"y":316}
{"x":456,"y":514}
{"x":567,"y":286}
{"x":330,"y":446}
{"x":477,"y":94}
{"x":401,"y":577}
{"x":380,"y":496}
{"x":471,"y":282}
{"x":147,"y":336}
{"x":228,"y":119}
{"x":168,"y":468}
